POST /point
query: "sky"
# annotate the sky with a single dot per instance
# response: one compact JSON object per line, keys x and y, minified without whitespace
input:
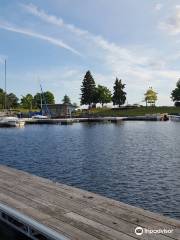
{"x":56,"y":41}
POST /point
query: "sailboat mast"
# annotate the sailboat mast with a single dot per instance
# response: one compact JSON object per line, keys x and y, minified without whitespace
{"x":5,"y":86}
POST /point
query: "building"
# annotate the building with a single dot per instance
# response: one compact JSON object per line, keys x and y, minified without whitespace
{"x":58,"y":110}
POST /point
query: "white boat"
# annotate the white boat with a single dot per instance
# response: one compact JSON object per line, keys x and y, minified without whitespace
{"x":39,"y":117}
{"x":175,"y":118}
{"x":11,"y":122}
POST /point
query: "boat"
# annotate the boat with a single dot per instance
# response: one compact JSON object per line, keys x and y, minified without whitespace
{"x":11,"y":122}
{"x":175,"y":118}
{"x":5,"y":119}
{"x":39,"y":117}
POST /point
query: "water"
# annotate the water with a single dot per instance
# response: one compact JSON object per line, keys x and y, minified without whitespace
{"x":7,"y":233}
{"x":134,"y":162}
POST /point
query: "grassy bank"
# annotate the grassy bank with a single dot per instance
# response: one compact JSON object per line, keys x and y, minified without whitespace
{"x":139,"y":111}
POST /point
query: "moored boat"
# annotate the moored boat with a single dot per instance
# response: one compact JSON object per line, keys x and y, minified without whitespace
{"x":174,"y":117}
{"x":11,"y":122}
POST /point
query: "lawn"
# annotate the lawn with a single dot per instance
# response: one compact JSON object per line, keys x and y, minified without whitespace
{"x":139,"y":111}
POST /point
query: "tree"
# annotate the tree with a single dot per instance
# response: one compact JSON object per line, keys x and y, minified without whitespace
{"x":2,"y":96}
{"x":27,"y":102}
{"x":75,"y":105}
{"x":49,"y":97}
{"x":150,"y":97}
{"x":45,"y":97}
{"x":175,"y":95}
{"x":12,"y":100}
{"x":119,"y":95}
{"x":66,"y":100}
{"x":88,"y":89}
{"x":37,"y":100}
{"x":103,"y":95}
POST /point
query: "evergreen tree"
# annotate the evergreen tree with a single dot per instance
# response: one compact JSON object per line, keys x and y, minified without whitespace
{"x":88,"y":90}
{"x":75,"y":105}
{"x":66,"y":100}
{"x":119,"y":95}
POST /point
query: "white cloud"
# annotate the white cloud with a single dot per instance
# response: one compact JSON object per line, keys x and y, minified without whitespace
{"x":158,"y":6}
{"x":27,"y":32}
{"x":172,"y":24}
{"x":112,"y":52}
{"x":34,"y":10}
{"x":139,"y":68}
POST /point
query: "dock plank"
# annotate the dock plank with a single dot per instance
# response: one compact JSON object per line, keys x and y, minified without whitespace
{"x":76,"y":213}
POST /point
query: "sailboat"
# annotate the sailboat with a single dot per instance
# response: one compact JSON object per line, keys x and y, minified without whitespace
{"x":9,"y":121}
{"x":41,"y":116}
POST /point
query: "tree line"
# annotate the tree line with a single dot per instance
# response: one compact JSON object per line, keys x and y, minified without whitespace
{"x":92,"y":94}
{"x":27,"y":102}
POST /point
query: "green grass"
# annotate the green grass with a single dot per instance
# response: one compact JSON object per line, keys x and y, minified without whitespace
{"x":139,"y":111}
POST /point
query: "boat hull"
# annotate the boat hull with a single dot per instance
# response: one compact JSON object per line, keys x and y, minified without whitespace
{"x":11,"y":122}
{"x":175,"y":118}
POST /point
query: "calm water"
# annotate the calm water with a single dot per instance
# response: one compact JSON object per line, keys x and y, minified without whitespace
{"x":134,"y":162}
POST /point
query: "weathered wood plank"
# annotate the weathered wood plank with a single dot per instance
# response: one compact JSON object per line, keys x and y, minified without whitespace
{"x":76,"y":213}
{"x":67,"y":205}
{"x":82,"y":195}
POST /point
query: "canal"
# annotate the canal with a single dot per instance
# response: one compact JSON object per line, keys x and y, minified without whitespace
{"x":134,"y":162}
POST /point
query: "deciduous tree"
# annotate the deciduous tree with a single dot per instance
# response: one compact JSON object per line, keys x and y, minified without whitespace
{"x":12,"y":100}
{"x":103,"y":95}
{"x":175,"y":95}
{"x":27,"y":102}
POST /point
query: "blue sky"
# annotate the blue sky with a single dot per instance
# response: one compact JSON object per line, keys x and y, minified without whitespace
{"x":57,"y":41}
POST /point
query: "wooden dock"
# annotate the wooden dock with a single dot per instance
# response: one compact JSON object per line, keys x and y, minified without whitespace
{"x":67,"y":121}
{"x":78,"y":214}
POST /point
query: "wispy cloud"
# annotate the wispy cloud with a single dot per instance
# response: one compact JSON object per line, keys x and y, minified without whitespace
{"x":27,"y":32}
{"x":172,"y":24}
{"x":139,"y":68}
{"x":158,"y":6}
{"x":112,"y":51}
{"x":34,"y":10}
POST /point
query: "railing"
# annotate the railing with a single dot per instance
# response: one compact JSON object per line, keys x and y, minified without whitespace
{"x":27,"y":226}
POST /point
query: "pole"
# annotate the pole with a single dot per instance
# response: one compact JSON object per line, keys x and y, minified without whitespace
{"x":5,"y":86}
